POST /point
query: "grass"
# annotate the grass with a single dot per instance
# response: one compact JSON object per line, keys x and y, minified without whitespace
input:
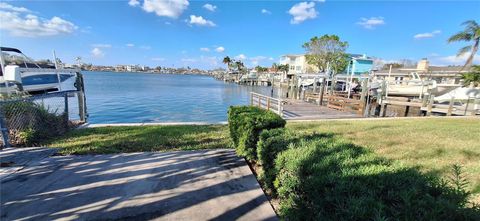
{"x":432,"y":145}
{"x":104,"y":140}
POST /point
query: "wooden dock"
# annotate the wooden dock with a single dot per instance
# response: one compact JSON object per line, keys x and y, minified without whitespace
{"x":301,"y":110}
{"x":292,"y":109}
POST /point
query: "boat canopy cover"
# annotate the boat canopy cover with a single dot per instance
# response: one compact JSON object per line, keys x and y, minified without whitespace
{"x":10,"y":49}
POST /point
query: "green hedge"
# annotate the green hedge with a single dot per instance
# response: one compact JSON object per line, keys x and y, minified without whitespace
{"x":245,"y":124}
{"x":270,"y":144}
{"x":328,"y":179}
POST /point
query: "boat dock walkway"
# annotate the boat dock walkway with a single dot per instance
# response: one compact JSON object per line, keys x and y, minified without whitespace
{"x":301,"y":110}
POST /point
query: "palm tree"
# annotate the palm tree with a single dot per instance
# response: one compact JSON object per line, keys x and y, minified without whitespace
{"x":472,"y":77}
{"x":227,"y":61}
{"x":275,"y":67}
{"x":471,"y":33}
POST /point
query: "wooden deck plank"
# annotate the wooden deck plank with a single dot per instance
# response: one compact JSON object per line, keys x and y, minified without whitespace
{"x":301,"y":110}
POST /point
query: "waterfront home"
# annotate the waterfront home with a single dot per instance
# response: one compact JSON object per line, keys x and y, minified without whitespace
{"x":358,"y":64}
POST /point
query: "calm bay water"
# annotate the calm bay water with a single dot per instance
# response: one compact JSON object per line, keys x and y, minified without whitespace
{"x":138,"y":97}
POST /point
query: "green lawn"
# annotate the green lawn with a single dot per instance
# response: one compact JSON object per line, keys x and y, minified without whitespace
{"x":433,"y":145}
{"x":142,"y":138}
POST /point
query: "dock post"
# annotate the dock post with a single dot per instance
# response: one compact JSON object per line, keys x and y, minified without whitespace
{"x":476,"y":105}
{"x":466,"y":106}
{"x":65,"y":96}
{"x":363,"y":96}
{"x":430,"y":104}
{"x":268,"y":103}
{"x":322,"y":91}
{"x":450,"y":107}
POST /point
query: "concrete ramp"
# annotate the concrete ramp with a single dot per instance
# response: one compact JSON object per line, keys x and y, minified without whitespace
{"x":181,"y":185}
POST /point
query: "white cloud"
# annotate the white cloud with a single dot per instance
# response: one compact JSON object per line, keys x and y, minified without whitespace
{"x":188,"y":60}
{"x":302,"y":11}
{"x":372,"y":22}
{"x":28,"y":25}
{"x":166,"y":8}
{"x":205,"y":49}
{"x":427,"y":34}
{"x":319,"y":0}
{"x":211,"y":61}
{"x":145,"y":47}
{"x":97,"y":53}
{"x":210,"y":7}
{"x":9,"y":7}
{"x":101,"y":45}
{"x":200,"y":21}
{"x":133,"y":3}
{"x":265,"y":11}
{"x":168,"y":23}
{"x":220,"y":49}
{"x":240,"y":57}
{"x":454,"y":60}
{"x":257,"y":59}
{"x":130,"y":45}
{"x":270,"y":59}
{"x":158,"y":59}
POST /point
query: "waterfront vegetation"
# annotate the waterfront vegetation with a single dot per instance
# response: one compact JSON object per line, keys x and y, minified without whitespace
{"x":318,"y":173}
{"x":392,"y":159}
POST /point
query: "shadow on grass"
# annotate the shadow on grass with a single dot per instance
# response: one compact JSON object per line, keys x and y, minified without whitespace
{"x":142,"y":138}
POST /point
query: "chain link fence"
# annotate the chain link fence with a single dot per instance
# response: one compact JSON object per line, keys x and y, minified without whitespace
{"x":27,"y":121}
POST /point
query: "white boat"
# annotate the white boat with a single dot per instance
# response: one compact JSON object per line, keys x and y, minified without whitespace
{"x":461,"y":94}
{"x":416,"y":87}
{"x":17,"y":69}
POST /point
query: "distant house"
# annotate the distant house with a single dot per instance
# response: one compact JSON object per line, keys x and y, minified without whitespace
{"x":358,"y":64}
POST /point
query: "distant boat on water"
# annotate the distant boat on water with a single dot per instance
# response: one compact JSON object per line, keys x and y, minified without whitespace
{"x":20,"y":73}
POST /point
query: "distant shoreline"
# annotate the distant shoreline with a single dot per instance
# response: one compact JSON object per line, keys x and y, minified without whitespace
{"x":149,"y":72}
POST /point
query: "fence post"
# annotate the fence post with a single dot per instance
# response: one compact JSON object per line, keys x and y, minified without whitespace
{"x":251,"y":98}
{"x":280,"y":109}
{"x":4,"y":130}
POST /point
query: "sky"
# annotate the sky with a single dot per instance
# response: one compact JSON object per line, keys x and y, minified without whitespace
{"x":198,"y":34}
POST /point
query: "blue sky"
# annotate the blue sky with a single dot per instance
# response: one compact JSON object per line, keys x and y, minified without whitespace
{"x":200,"y":33}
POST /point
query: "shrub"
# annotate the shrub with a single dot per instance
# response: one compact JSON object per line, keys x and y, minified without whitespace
{"x":270,"y":144}
{"x":328,"y":179}
{"x":30,"y":123}
{"x":246,"y":123}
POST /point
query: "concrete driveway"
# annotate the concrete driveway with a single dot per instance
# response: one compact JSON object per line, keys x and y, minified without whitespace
{"x":181,"y":185}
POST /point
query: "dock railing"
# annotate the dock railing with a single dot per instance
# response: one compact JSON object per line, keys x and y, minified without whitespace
{"x":267,"y":103}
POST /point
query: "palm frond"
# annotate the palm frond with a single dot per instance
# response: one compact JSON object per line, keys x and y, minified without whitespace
{"x":471,"y":25}
{"x":464,"y":50}
{"x":460,"y":36}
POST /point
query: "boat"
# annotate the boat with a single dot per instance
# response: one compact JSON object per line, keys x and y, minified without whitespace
{"x":20,"y":73}
{"x":416,"y":87}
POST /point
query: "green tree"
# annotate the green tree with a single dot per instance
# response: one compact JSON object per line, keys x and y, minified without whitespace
{"x":472,"y":77}
{"x":471,"y":33}
{"x":283,"y":68}
{"x":327,"y":49}
{"x":227,"y":61}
